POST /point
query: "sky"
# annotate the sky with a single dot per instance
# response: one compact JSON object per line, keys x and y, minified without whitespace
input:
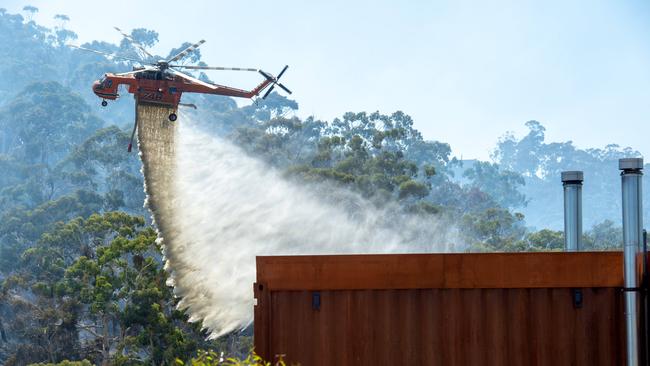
{"x":466,"y":71}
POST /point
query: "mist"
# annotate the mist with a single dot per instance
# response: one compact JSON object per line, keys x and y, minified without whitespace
{"x":226,"y":207}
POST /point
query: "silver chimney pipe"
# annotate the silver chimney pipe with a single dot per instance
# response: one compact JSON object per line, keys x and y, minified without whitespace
{"x":572,"y":183}
{"x":631,"y":179}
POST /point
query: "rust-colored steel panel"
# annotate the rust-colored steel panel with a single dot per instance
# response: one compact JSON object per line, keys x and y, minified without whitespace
{"x":442,"y":309}
{"x":471,"y":270}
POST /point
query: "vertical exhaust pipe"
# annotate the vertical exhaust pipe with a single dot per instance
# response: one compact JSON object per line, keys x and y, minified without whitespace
{"x":572,"y":183}
{"x":631,"y":179}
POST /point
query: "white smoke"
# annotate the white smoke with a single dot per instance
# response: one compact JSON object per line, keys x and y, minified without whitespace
{"x":229,"y":207}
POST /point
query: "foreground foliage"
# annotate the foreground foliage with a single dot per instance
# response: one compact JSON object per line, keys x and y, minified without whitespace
{"x":211,"y":358}
{"x":98,"y":292}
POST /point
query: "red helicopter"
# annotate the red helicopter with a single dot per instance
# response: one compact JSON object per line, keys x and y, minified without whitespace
{"x":160,"y":83}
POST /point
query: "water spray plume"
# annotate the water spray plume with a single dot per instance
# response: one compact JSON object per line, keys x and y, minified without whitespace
{"x":217,"y":208}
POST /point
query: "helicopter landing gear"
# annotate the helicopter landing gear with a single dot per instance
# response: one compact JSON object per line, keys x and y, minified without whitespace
{"x":173,"y":117}
{"x":104,"y":103}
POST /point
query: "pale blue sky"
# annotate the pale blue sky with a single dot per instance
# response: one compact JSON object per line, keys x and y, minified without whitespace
{"x":467,"y":71}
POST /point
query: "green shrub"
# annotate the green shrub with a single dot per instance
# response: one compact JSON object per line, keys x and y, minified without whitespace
{"x":65,"y":363}
{"x":211,"y":358}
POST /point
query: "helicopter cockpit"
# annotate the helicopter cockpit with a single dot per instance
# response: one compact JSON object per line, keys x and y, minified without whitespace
{"x":104,"y":83}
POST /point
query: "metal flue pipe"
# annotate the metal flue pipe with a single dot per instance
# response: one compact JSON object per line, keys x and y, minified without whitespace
{"x":572,"y":183}
{"x":631,"y":179}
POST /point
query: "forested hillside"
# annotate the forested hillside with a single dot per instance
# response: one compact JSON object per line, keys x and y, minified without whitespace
{"x":81,"y":275}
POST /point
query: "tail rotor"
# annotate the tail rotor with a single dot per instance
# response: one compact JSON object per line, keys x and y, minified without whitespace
{"x":275,"y":81}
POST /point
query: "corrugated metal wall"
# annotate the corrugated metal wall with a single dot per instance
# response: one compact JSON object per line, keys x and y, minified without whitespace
{"x":332,"y":310}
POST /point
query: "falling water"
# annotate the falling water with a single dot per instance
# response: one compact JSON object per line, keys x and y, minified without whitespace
{"x":216,"y":208}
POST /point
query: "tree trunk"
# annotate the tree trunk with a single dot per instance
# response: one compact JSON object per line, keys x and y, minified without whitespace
{"x":106,"y":347}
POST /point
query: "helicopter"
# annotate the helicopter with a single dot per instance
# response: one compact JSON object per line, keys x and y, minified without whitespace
{"x":162,"y":83}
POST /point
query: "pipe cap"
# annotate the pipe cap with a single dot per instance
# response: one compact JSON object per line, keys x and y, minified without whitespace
{"x":572,"y":176}
{"x":630,"y":163}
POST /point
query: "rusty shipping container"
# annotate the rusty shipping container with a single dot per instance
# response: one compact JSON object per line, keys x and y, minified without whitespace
{"x":442,"y":309}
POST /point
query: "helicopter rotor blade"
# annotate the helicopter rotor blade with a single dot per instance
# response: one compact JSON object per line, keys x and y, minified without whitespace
{"x":265,"y":74}
{"x":283,"y":87}
{"x":193,"y":79}
{"x":134,"y":42}
{"x":134,"y":72}
{"x":186,"y":51}
{"x":268,"y":92}
{"x":190,"y":67}
{"x":112,"y":55}
{"x":282,"y":72}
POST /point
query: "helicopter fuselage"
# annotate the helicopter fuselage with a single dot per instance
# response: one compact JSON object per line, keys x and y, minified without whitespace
{"x":160,"y":87}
